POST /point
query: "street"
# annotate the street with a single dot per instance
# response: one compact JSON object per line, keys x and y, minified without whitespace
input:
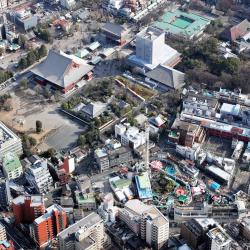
{"x":20,"y":240}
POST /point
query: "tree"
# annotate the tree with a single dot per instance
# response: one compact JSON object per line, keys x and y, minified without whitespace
{"x":33,"y":141}
{"x":42,"y":51}
{"x":22,"y":41}
{"x":24,"y":83}
{"x":22,"y":64}
{"x":31,"y":58}
{"x":97,"y":122}
{"x":39,"y":126}
{"x":38,"y":89}
{"x":1,"y":51}
{"x":231,"y":65}
{"x":49,"y":153}
{"x":81,"y":141}
{"x":47,"y":92}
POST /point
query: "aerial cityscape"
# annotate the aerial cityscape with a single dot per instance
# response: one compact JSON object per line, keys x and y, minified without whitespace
{"x":125,"y":124}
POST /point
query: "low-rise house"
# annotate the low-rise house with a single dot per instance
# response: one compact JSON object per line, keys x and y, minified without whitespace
{"x":85,"y":201}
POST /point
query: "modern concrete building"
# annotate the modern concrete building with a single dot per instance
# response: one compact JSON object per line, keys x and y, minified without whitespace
{"x":24,"y":19}
{"x":12,"y":167}
{"x":83,"y":183}
{"x":217,"y":239}
{"x":146,"y":221}
{"x":9,"y":142}
{"x":48,"y":225}
{"x":3,"y":235}
{"x":87,"y":233}
{"x":67,"y":4}
{"x":112,"y":5}
{"x":107,"y":157}
{"x":152,"y":51}
{"x":222,"y":214}
{"x":38,"y":176}
{"x":61,"y":71}
{"x":245,"y":228}
{"x":27,"y":208}
{"x":3,"y":4}
{"x":5,"y":194}
{"x":194,"y":231}
{"x":130,"y":136}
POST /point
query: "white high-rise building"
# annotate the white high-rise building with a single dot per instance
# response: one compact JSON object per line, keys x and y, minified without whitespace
{"x":38,"y":176}
{"x":152,"y":50}
{"x":3,"y":4}
{"x":87,"y":233}
{"x":146,"y":221}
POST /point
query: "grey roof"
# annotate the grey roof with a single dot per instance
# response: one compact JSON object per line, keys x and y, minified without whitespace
{"x":167,"y":76}
{"x":87,"y":222}
{"x":113,"y":28}
{"x":61,"y":69}
{"x":94,"y":109}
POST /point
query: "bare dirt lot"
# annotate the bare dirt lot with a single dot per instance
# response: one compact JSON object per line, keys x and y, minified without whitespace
{"x":59,"y":131}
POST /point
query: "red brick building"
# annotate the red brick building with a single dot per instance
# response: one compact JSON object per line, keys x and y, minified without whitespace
{"x":27,"y":208}
{"x":46,"y":227}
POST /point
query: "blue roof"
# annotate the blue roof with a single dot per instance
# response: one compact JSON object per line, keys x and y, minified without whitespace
{"x":214,"y":185}
{"x":144,"y":191}
{"x":5,"y":243}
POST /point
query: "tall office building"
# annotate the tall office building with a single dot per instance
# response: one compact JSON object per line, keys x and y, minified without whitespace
{"x":46,"y":227}
{"x":27,"y":208}
{"x":87,"y":233}
{"x":146,"y":221}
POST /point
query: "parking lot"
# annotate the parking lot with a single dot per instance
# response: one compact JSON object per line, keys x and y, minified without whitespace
{"x":218,"y":146}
